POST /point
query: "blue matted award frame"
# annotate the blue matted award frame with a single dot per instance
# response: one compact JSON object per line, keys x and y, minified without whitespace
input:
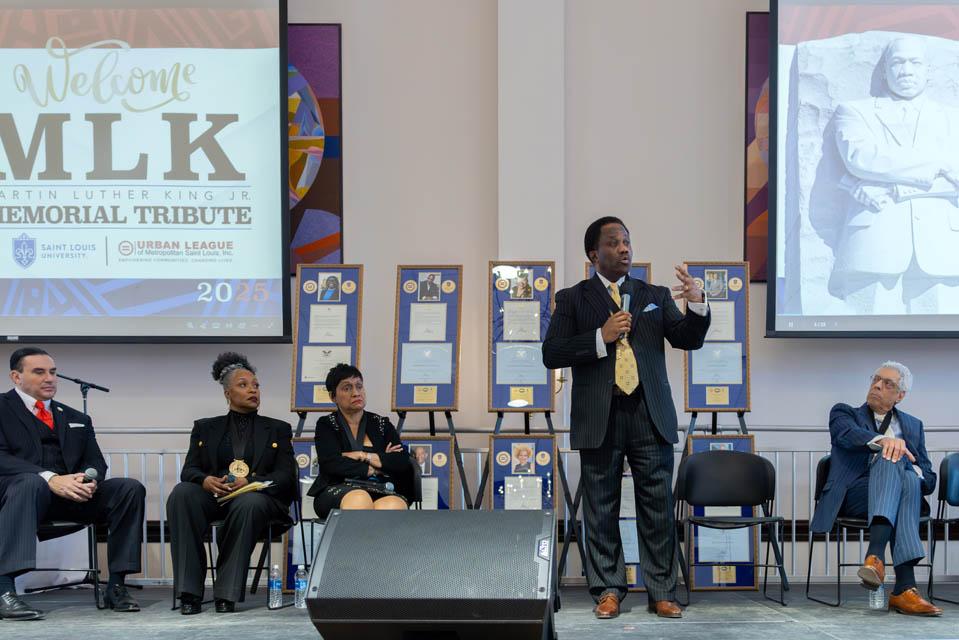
{"x":439,"y":468}
{"x":639,"y":270}
{"x":520,"y":308}
{"x":307,"y":468}
{"x":327,"y":316}
{"x":716,"y":377}
{"x":730,"y":576}
{"x":426,"y":338}
{"x":517,"y":458}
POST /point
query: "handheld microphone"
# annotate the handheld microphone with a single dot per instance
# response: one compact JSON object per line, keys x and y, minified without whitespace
{"x":624,"y":306}
{"x":90,"y":475}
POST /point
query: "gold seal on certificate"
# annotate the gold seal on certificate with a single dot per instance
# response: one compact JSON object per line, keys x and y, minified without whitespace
{"x":239,"y":469}
{"x":735,"y":284}
{"x":540,"y":284}
{"x":439,"y":459}
{"x":449,"y":286}
{"x":542,"y":458}
{"x":700,"y":283}
{"x":348,"y":286}
{"x":302,"y":461}
{"x":409,"y":286}
{"x":502,"y":284}
{"x":503,"y":458}
{"x":310,"y":286}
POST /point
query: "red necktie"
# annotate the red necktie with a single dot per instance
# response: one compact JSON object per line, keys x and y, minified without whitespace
{"x":45,"y":416}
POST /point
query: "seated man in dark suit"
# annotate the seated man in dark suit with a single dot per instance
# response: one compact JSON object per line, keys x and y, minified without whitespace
{"x":45,"y":449}
{"x":879,"y":470}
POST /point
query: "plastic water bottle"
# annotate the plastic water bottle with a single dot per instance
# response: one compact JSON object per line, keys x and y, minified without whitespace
{"x":276,"y":588}
{"x":877,"y":599}
{"x":300,"y":579}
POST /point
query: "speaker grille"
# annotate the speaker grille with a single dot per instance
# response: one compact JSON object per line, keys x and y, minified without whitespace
{"x":445,"y":556}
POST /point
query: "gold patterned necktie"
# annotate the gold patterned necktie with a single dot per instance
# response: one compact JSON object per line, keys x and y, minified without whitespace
{"x":627,"y":372}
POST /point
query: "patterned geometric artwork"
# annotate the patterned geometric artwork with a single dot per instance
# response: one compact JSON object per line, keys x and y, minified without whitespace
{"x":756,"y":206}
{"x":314,"y":119}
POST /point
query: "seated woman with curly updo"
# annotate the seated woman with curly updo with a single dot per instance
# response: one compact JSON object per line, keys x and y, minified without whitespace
{"x":363,"y":464}
{"x":227,"y":453}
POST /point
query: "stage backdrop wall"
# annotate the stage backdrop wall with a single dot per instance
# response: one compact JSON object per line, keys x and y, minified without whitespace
{"x":654,"y":104}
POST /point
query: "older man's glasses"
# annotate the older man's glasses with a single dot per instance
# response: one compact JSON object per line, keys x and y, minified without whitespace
{"x":887,"y":383}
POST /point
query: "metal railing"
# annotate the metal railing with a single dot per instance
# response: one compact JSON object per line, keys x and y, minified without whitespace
{"x":159,"y":470}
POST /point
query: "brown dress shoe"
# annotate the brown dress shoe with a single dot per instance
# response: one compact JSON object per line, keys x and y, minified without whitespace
{"x":911,"y":603}
{"x":665,"y":609}
{"x":608,"y":606}
{"x":872,"y":573}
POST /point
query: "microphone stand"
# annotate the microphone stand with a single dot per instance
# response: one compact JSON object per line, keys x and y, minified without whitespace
{"x":85,"y":387}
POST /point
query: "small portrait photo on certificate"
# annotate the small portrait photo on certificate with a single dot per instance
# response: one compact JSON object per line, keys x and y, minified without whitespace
{"x":720,"y":446}
{"x":717,"y":286}
{"x":523,"y":461}
{"x":422,"y":455}
{"x":520,"y":287}
{"x":329,"y":286}
{"x":429,"y":286}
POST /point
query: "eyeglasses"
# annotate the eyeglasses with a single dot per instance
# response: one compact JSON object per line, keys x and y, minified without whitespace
{"x":887,"y":383}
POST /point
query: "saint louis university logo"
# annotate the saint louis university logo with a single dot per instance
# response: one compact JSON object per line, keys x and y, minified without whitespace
{"x":24,"y":250}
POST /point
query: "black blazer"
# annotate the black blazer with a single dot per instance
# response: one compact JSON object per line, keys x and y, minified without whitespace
{"x":571,"y":342}
{"x":272,"y":454}
{"x":331,"y":441}
{"x":20,"y":449}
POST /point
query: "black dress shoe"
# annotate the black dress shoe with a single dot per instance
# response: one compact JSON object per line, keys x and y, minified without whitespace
{"x":119,"y":599}
{"x":190,"y":605}
{"x":224,"y":606}
{"x":13,"y":608}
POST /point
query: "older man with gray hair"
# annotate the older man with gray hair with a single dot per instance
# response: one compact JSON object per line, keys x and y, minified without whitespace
{"x":879,"y":470}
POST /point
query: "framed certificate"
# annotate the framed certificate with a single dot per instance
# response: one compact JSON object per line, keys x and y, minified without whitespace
{"x":736,"y":549}
{"x":327,"y":317}
{"x":434,"y":457}
{"x":520,"y":305}
{"x":426,"y":342}
{"x":716,"y":377}
{"x":524,"y":472}
{"x":638,"y":270}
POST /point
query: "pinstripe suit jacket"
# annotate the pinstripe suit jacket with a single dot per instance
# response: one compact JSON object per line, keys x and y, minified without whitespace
{"x":571,"y":342}
{"x":850,"y":429}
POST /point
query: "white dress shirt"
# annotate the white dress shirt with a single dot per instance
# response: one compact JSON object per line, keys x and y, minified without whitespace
{"x":699,"y":308}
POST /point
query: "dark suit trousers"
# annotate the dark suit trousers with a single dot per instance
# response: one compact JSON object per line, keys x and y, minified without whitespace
{"x":630,"y":434}
{"x":890,"y":490}
{"x":26,"y":501}
{"x":190,"y":510}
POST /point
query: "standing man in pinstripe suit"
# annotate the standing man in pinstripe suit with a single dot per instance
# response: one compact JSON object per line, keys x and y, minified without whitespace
{"x":622,"y":406}
{"x":879,"y":470}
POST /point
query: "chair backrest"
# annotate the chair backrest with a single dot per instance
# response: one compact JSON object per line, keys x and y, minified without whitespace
{"x":822,"y":473}
{"x":726,"y":478}
{"x":949,"y":479}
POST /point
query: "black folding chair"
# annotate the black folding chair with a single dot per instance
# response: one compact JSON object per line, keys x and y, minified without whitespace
{"x":948,"y":495}
{"x":276,"y":526}
{"x":842,"y":525}
{"x":731,"y":479}
{"x":58,"y":528}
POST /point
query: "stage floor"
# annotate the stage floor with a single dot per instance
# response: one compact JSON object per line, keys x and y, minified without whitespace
{"x":718,"y":616}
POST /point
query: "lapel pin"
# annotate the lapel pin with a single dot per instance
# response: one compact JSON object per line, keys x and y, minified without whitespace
{"x":274,"y":445}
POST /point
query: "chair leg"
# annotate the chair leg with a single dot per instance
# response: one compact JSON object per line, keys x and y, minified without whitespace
{"x":94,"y":574}
{"x":812,"y":540}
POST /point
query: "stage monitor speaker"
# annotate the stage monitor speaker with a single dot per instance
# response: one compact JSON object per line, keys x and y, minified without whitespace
{"x":430,"y":575}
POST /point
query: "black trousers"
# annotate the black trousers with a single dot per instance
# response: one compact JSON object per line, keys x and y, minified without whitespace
{"x":190,"y":510}
{"x":630,"y":434}
{"x":26,"y":501}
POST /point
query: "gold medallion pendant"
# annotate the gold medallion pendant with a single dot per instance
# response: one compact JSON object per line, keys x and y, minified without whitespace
{"x":239,"y":469}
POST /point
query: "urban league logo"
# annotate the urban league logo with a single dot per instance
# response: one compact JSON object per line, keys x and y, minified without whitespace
{"x":125,"y":248}
{"x":24,"y":250}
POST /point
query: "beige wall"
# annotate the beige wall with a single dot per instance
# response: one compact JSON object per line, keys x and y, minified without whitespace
{"x":654,"y":100}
